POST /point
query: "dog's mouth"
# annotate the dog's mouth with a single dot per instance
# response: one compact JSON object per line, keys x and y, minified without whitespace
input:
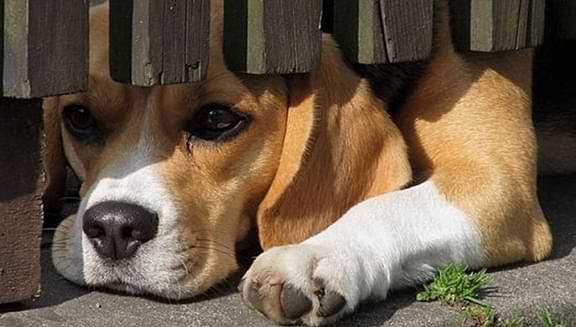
{"x":157,"y":270}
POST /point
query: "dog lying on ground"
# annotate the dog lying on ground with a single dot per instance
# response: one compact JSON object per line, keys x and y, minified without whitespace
{"x":348,"y":201}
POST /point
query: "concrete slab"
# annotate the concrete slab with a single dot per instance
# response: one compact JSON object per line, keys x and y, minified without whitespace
{"x":524,"y":289}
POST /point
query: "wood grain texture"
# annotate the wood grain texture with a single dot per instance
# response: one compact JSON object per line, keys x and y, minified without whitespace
{"x":384,"y":31}
{"x":359,"y":32}
{"x":537,"y":23}
{"x":159,"y":41}
{"x":272,"y":36}
{"x":497,"y":25}
{"x":408,"y":29}
{"x":45,"y":47}
{"x":21,"y":181}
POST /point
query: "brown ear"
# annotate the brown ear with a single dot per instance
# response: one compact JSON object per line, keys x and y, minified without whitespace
{"x":54,"y":160}
{"x":340,"y":148}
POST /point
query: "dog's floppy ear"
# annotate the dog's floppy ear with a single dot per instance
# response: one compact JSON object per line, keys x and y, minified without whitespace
{"x":340,"y":148}
{"x":54,"y":160}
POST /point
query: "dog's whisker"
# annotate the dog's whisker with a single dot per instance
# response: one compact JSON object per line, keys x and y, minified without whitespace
{"x":185,"y":267}
{"x":215,"y":250}
{"x":216,"y":243}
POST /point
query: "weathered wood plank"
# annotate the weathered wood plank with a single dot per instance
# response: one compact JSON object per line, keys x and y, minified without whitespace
{"x":497,"y":25}
{"x":21,"y":184}
{"x":408,"y":29}
{"x":45,"y":47}
{"x":272,"y":36}
{"x":384,"y":31}
{"x":159,"y":41}
{"x":522,"y":28}
{"x":505,"y":19}
{"x":537,"y":23}
{"x":359,"y":32}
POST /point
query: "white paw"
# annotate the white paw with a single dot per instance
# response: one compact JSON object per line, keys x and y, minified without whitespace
{"x":301,"y":284}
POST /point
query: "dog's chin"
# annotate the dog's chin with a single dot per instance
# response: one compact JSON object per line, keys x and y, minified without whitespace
{"x":77,"y":262}
{"x":174,"y":292}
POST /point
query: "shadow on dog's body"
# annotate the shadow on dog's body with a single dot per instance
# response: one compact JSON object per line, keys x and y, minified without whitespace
{"x":205,"y":163}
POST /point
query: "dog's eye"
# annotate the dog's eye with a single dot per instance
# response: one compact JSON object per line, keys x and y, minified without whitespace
{"x":216,"y":122}
{"x":80,"y":122}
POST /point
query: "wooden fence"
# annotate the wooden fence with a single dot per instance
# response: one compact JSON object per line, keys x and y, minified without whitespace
{"x":45,"y":51}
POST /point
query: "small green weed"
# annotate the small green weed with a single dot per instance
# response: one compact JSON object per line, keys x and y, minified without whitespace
{"x":453,"y":285}
{"x":515,"y":321}
{"x":479,"y":316}
{"x":547,"y":320}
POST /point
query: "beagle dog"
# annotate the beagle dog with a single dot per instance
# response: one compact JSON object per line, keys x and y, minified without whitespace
{"x":357,"y":180}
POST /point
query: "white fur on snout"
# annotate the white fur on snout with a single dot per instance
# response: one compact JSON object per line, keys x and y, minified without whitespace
{"x":159,"y":265}
{"x":134,"y":178}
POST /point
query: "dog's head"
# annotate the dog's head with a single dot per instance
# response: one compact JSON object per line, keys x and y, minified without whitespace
{"x":174,"y":176}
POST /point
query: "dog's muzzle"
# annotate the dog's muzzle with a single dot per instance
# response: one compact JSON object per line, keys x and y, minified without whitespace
{"x":117,"y":229}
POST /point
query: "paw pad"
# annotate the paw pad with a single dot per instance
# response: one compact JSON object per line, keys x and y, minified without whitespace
{"x":294,"y":303}
{"x":330,"y":302}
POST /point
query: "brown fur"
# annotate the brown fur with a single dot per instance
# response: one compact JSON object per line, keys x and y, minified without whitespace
{"x":469,"y":128}
{"x":323,"y":142}
{"x":321,"y":173}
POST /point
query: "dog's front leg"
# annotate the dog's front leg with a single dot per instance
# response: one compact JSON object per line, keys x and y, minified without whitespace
{"x":393,"y":240}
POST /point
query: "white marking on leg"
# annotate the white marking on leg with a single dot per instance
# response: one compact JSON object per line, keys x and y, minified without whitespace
{"x":399,"y":238}
{"x":390,"y":241}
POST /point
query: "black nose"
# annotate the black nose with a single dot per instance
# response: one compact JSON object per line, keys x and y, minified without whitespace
{"x":117,"y":229}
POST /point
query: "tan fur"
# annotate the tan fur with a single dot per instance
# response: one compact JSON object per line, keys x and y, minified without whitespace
{"x":340,"y":149}
{"x":469,"y":128}
{"x":306,"y":184}
{"x":322,"y":142}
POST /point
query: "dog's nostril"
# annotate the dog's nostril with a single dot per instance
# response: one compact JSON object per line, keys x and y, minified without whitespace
{"x":117,"y":229}
{"x":139,"y":234}
{"x":93,"y":231}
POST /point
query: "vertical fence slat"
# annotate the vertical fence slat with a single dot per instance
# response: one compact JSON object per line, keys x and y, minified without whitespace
{"x":159,"y":41}
{"x":21,"y":184}
{"x":45,"y":47}
{"x":384,"y":31}
{"x":359,"y":32}
{"x":497,"y":25}
{"x":522,"y":28}
{"x":408,"y":28}
{"x":272,"y":36}
{"x":537,"y":23}
{"x":44,"y":53}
